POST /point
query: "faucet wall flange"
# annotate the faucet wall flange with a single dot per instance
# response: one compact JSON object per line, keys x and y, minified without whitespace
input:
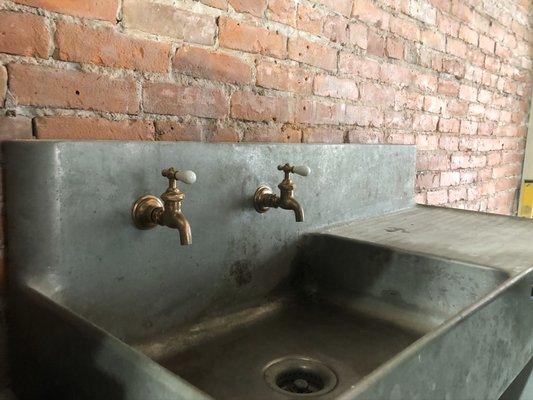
{"x":143,"y":209}
{"x":261,"y":198}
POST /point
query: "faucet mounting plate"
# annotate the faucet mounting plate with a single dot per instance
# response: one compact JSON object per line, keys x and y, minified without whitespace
{"x":259,"y":195}
{"x":142,"y":211}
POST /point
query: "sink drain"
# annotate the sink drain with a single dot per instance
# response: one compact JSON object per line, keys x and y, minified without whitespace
{"x":300,"y":376}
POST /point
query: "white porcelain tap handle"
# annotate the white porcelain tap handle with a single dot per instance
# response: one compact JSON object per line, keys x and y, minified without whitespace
{"x":302,"y":170}
{"x":188,"y":177}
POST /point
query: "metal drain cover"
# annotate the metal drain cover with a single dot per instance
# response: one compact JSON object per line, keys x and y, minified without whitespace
{"x":300,"y":376}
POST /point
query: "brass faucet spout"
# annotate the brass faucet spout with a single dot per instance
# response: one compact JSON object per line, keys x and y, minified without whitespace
{"x":297,"y":208}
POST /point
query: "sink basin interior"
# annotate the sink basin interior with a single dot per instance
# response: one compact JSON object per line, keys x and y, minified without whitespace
{"x":347,"y":308}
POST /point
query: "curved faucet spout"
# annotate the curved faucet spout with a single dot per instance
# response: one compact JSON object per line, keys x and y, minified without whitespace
{"x":293,"y":205}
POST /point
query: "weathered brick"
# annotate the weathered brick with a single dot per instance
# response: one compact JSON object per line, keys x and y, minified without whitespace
{"x":96,"y":9}
{"x":447,"y":25}
{"x":283,"y":11}
{"x":450,"y":178}
{"x":23,"y":34}
{"x":456,"y":47}
{"x":468,"y":127}
{"x":331,"y":86}
{"x":462,"y":10}
{"x":3,"y":84}
{"x":449,"y":143}
{"x":453,"y":67}
{"x":323,"y":135}
{"x":448,"y":88}
{"x":284,"y":77}
{"x":375,"y":44}
{"x":427,"y":180}
{"x":433,"y":39}
{"x":221,"y":4}
{"x":467,"y":93}
{"x":367,"y":11}
{"x":372,"y":93}
{"x":427,"y":142}
{"x":75,"y":128}
{"x":434,"y":104}
{"x":315,"y":112}
{"x":213,"y":65}
{"x":311,"y":19}
{"x":343,"y":7}
{"x":464,"y":160}
{"x":366,"y":136}
{"x":312,"y":53}
{"x":41,"y":86}
{"x":396,"y":74}
{"x":15,"y":128}
{"x":468,"y":35}
{"x":364,"y":116}
{"x":337,"y":29}
{"x":405,"y":28}
{"x":262,"y":133}
{"x":486,"y":44}
{"x":353,"y":65}
{"x":432,"y":161}
{"x":437,"y":197}
{"x":254,"y":107}
{"x":425,"y":82}
{"x":166,"y":20}
{"x":425,"y":122}
{"x":394,"y":48}
{"x":359,"y":35}
{"x":105,"y":46}
{"x":173,"y":99}
{"x":449,"y":125}
{"x":254,"y":7}
{"x":421,"y":10}
{"x":169,"y":130}
{"x":236,"y":35}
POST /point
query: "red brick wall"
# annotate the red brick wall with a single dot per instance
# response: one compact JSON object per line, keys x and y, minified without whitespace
{"x":451,"y":76}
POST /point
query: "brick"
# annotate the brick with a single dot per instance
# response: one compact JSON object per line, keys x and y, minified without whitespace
{"x":448,"y":125}
{"x":166,"y":20}
{"x":408,"y":100}
{"x":434,"y":104}
{"x":484,"y":96}
{"x":323,"y":135}
{"x":405,"y":28}
{"x":41,"y":86}
{"x":15,"y":128}
{"x":425,"y":82}
{"x":343,"y":7}
{"x":236,"y":35}
{"x":425,"y":122}
{"x":462,"y":11}
{"x":212,"y":65}
{"x":364,"y":116}
{"x":448,"y":88}
{"x":181,"y":131}
{"x":447,"y":25}
{"x":3,"y":84}
{"x":358,"y":35}
{"x":253,"y":7}
{"x":468,"y":93}
{"x":421,"y":10}
{"x":224,"y":134}
{"x":331,"y":86}
{"x":283,"y":11}
{"x":432,"y":161}
{"x":396,"y":75}
{"x":221,"y":4}
{"x":76,"y":128}
{"x":285,"y":134}
{"x":311,"y":19}
{"x":443,"y":5}
{"x":433,"y":39}
{"x":367,"y":11}
{"x":468,"y":35}
{"x":105,"y":46}
{"x":312,"y":53}
{"x":336,"y":28}
{"x":453,"y":67}
{"x":437,"y":197}
{"x":23,"y":34}
{"x":254,"y":107}
{"x":173,"y":99}
{"x":353,"y":65}
{"x":457,"y":194}
{"x":394,"y":49}
{"x":486,"y":44}
{"x":450,"y":178}
{"x":449,"y":143}
{"x":95,"y":9}
{"x":398,"y":120}
{"x":365,"y":136}
{"x":288,"y":78}
{"x":377,"y":94}
{"x":456,"y":47}
{"x":375,"y":44}
{"x":462,"y":160}
{"x":315,"y":112}
{"x":468,"y":127}
{"x":427,"y":142}
{"x":427,"y":180}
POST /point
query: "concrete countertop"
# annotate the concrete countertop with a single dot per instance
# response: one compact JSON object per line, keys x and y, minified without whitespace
{"x":454,"y":234}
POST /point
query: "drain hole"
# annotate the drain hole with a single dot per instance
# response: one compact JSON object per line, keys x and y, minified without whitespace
{"x":300,"y":376}
{"x":300,"y":381}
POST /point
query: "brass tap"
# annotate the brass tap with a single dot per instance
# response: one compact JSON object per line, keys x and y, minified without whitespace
{"x":150,"y":211}
{"x":264,"y":198}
